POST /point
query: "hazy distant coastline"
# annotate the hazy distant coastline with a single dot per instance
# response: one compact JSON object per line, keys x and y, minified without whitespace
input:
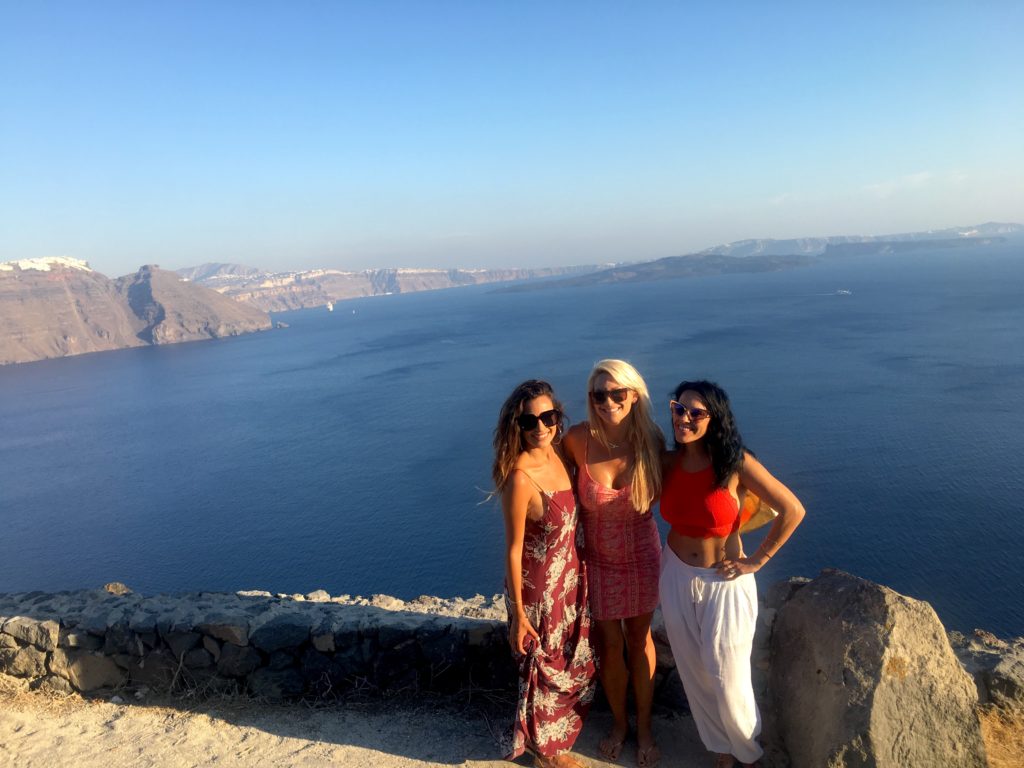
{"x":284,"y":291}
{"x":748,"y":256}
{"x":56,"y":307}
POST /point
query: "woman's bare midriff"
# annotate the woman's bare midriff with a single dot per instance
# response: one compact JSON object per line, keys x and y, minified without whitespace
{"x":700,"y":553}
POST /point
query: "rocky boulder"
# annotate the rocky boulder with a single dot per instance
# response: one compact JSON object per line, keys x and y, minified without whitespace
{"x":863,"y":676}
{"x":997,"y":666}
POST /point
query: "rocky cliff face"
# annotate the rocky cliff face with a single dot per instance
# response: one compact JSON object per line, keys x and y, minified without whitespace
{"x":174,"y":310}
{"x":58,"y":307}
{"x":53,"y":308}
{"x":283,"y":291}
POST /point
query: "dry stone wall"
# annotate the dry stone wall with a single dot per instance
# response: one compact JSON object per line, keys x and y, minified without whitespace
{"x":878,"y":661}
{"x":277,"y":647}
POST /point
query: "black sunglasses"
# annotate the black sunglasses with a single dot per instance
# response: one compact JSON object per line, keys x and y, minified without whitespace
{"x":680,"y":410}
{"x":528,"y":422}
{"x":617,"y":395}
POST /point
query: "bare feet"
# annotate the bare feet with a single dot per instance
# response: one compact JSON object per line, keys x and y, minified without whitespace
{"x":723,"y":760}
{"x":611,"y":745}
{"x":647,"y":756}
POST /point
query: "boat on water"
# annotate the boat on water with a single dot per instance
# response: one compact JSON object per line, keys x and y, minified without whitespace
{"x":844,"y":292}
{"x":330,"y":306}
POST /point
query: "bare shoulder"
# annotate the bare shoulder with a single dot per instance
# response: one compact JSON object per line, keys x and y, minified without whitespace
{"x":753,"y":471}
{"x":750,"y":460}
{"x":519,"y":483}
{"x":575,"y":441}
{"x":578,"y":431}
{"x":764,"y":484}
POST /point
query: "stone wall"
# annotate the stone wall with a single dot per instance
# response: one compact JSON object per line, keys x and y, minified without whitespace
{"x":284,"y":646}
{"x":876,"y":659}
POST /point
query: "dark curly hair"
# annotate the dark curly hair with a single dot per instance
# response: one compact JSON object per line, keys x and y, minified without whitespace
{"x":508,"y":437}
{"x":723,"y":437}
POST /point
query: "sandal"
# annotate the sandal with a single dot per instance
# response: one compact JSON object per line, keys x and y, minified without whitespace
{"x":610,"y":747}
{"x":649,"y":757}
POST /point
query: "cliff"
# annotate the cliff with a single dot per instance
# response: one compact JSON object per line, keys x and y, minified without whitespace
{"x":173,"y":310}
{"x":283,"y":291}
{"x":58,"y":307}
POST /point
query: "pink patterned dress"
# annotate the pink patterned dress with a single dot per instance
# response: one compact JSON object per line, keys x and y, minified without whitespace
{"x":556,"y":678}
{"x":623,"y":551}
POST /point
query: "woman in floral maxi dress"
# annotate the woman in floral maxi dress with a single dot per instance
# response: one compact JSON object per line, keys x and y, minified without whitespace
{"x":545,"y":583}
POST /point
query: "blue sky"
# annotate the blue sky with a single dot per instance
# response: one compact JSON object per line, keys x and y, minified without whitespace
{"x":291,"y":135}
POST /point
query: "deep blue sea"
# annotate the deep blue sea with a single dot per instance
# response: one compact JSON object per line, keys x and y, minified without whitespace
{"x":351,"y":451}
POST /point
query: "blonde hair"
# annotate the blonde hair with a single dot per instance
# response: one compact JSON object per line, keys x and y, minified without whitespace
{"x":644,"y":436}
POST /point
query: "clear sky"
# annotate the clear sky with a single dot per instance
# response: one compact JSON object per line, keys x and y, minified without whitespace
{"x":296,"y":134}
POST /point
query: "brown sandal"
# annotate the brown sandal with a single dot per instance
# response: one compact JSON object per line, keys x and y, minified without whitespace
{"x":648,"y":758}
{"x":610,"y":747}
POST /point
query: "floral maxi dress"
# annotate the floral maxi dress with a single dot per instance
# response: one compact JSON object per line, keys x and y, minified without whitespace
{"x":556,"y":677}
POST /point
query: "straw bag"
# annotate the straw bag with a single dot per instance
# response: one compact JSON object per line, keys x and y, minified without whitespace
{"x":754,"y":513}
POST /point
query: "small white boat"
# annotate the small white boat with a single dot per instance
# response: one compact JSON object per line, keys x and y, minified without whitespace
{"x":330,"y":306}
{"x":844,"y":292}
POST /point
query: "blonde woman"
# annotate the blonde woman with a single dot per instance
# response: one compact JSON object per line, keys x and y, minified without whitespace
{"x":546,"y":586}
{"x":617,"y":453}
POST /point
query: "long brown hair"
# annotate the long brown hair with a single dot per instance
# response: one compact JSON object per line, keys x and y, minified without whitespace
{"x":508,"y":437}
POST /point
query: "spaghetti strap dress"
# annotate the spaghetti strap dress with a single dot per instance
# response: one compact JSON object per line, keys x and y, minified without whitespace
{"x":556,"y":676}
{"x":623,"y":550}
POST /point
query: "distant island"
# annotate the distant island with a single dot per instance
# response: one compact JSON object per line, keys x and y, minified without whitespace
{"x":749,"y":256}
{"x":58,"y":306}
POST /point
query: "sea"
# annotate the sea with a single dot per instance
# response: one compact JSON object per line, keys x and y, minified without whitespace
{"x":351,"y":450}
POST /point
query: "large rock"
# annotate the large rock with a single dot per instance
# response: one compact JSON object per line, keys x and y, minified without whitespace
{"x":28,"y":662}
{"x":997,"y":666}
{"x":1005,"y":681}
{"x":281,"y":631}
{"x":86,"y":671}
{"x":181,"y":643}
{"x":42,"y":634}
{"x":863,"y":676}
{"x":226,"y":628}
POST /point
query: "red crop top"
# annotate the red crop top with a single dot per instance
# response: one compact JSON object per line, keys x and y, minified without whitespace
{"x":695,"y":506}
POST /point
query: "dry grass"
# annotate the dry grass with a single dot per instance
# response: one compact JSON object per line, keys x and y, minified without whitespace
{"x":1004,"y":737}
{"x":15,"y":696}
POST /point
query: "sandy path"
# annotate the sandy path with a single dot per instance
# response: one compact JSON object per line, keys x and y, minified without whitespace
{"x":41,"y":731}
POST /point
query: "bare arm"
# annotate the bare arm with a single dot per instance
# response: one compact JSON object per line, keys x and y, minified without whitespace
{"x":776,"y":495}
{"x":515,"y":502}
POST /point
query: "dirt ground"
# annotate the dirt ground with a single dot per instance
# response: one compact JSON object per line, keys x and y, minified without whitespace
{"x":46,"y":731}
{"x":50,"y":731}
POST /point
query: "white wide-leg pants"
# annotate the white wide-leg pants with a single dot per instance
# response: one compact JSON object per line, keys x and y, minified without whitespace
{"x":710,"y":624}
